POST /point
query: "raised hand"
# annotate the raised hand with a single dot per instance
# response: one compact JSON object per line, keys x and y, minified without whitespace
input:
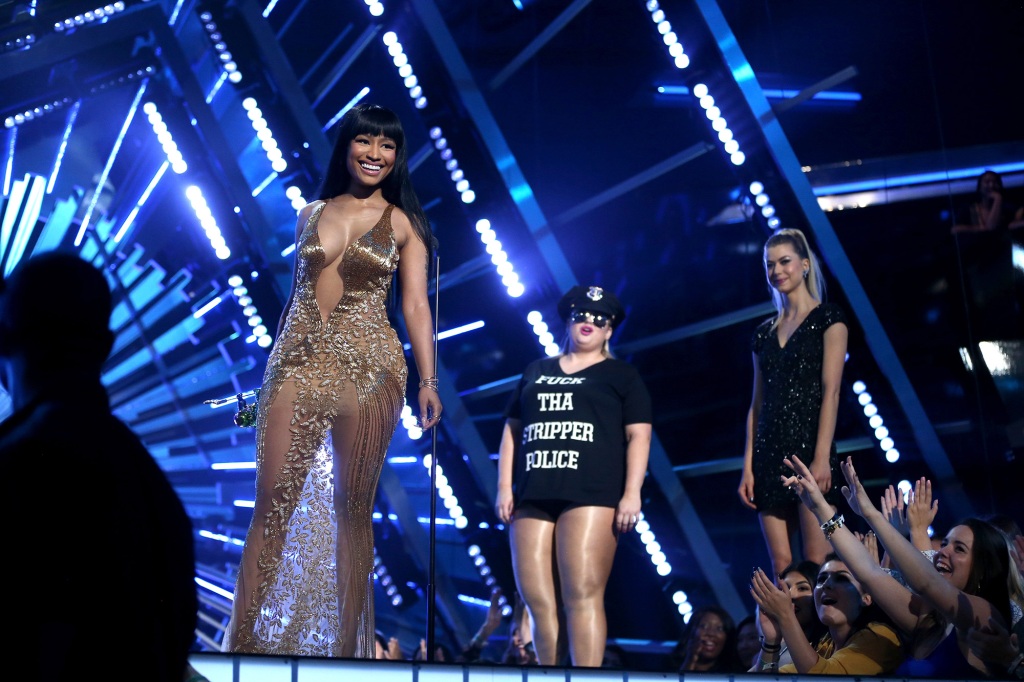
{"x":894,"y":510}
{"x":922,"y":508}
{"x":870,"y":542}
{"x":806,"y":487}
{"x":493,"y":612}
{"x":854,"y":492}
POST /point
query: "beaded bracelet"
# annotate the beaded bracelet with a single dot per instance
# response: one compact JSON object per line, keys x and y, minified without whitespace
{"x":832,"y":525}
{"x":429,"y":382}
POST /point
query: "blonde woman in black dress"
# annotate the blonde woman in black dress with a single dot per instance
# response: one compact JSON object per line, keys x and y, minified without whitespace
{"x":798,"y":360}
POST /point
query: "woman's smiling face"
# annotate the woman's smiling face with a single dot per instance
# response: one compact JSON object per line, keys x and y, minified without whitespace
{"x":955,"y":559}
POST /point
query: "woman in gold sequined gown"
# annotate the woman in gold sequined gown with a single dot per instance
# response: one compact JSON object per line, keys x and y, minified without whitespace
{"x":332,"y":395}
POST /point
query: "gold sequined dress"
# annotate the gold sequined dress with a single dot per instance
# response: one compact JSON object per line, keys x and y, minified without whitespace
{"x":332,"y":395}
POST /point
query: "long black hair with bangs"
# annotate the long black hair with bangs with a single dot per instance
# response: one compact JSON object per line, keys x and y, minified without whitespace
{"x":373,"y":119}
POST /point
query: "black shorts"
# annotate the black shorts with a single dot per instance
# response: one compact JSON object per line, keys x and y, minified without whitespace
{"x":551,"y":509}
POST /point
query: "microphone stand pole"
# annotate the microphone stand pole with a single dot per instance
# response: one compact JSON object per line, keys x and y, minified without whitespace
{"x":432,"y":541}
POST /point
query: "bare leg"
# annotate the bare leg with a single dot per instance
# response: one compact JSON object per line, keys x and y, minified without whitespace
{"x":533,"y":537}
{"x":814,"y":542}
{"x":585,"y":547}
{"x":360,"y":437}
{"x":265,"y":532}
{"x":777,"y":530}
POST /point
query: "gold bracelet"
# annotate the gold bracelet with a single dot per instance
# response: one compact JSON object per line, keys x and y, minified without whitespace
{"x":429,"y":382}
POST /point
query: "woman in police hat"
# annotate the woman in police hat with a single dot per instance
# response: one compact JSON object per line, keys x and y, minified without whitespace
{"x":572,"y":459}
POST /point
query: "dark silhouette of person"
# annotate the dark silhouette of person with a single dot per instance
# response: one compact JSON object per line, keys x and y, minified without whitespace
{"x":100,"y":571}
{"x":990,"y":210}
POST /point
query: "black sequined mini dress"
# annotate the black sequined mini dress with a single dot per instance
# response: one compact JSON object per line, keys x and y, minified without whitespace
{"x":791,"y":402}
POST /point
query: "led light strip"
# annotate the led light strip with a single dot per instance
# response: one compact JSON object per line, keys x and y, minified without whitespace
{"x":99,"y":14}
{"x":260,"y":334}
{"x":668,"y":36}
{"x":264,"y":135}
{"x":401,"y":61}
{"x":881,"y":432}
{"x":207,"y":221}
{"x":451,"y":164}
{"x":500,"y":259}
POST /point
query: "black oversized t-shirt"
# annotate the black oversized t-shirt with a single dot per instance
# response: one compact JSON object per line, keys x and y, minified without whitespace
{"x":573,"y":441}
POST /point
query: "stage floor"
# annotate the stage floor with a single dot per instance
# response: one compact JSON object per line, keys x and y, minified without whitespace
{"x":234,"y":668}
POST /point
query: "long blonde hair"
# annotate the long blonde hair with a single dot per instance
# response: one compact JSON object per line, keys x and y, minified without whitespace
{"x":815,"y":280}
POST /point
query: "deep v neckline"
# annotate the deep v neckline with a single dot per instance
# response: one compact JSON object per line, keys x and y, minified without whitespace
{"x":778,"y":338}
{"x":344,"y":254}
{"x":325,"y":321}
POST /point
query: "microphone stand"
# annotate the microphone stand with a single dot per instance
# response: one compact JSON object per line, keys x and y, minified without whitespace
{"x":432,"y":541}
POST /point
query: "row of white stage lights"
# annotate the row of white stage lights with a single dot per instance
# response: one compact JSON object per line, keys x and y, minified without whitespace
{"x":192,"y":192}
{"x":36,"y":112}
{"x":881,"y":432}
{"x":224,"y":56}
{"x":260,"y":333}
{"x":731,"y":146}
{"x":401,"y":61}
{"x":405,"y":71}
{"x":100,"y":14}
{"x":668,"y":36}
{"x":387,"y":583}
{"x":764,"y":203}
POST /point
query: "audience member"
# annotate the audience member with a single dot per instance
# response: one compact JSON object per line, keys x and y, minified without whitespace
{"x":965,"y":584}
{"x":859,"y":638}
{"x":520,"y":649}
{"x":708,"y":643}
{"x":386,"y":648}
{"x":110,"y":560}
{"x":442,"y":654}
{"x":990,"y":210}
{"x":474,"y":650}
{"x":798,"y":579}
{"x":748,"y":641}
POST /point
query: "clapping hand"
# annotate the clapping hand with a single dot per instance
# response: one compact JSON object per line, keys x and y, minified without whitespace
{"x":773,"y":602}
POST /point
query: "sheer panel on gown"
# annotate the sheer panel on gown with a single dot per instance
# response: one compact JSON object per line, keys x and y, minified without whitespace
{"x":332,"y":394}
